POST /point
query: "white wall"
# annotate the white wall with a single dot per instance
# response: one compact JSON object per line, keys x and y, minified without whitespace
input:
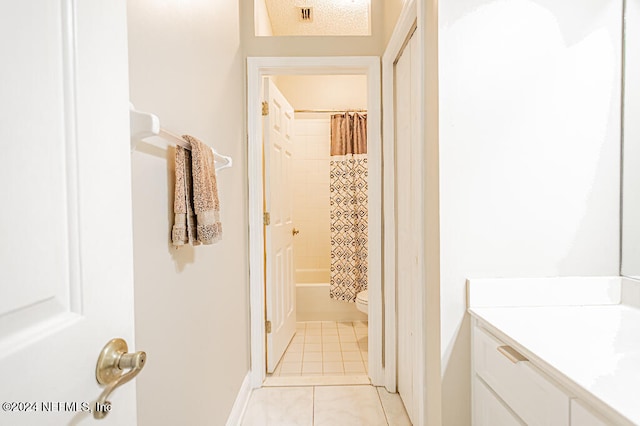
{"x":529,"y":153}
{"x":192,"y":303}
{"x":324,"y":91}
{"x":262,"y":21}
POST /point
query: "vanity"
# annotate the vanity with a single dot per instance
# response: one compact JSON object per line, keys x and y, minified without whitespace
{"x":555,"y":351}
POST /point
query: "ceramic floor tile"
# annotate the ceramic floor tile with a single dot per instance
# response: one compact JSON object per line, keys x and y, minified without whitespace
{"x":349,"y":346}
{"x":313,"y":339}
{"x":353,"y":367}
{"x":332,"y":356}
{"x":312,"y":357}
{"x":348,"y":338}
{"x":352,"y":356}
{"x":313,"y":325}
{"x":313,"y":347}
{"x":331,"y":347}
{"x":295,"y":347}
{"x":393,"y":408}
{"x":330,"y":338}
{"x":292,"y":356}
{"x":332,"y":367}
{"x":347,"y":406}
{"x":314,"y":332}
{"x":280,"y":407}
{"x":330,"y":332}
{"x":311,"y":367}
{"x":291,"y":367}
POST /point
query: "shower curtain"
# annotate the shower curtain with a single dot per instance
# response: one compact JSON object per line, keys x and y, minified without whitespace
{"x":348,"y":205}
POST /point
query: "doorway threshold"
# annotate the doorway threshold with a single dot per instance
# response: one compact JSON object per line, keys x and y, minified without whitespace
{"x":277,"y":381}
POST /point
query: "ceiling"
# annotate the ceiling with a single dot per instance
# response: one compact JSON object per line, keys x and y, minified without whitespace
{"x":328,"y":17}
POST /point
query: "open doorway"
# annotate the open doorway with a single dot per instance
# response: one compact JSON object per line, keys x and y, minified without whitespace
{"x":258,"y":69}
{"x":316,"y":239}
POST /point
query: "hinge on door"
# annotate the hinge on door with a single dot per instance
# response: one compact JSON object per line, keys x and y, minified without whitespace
{"x":267,"y":326}
{"x":266,"y":219}
{"x":265,"y":108}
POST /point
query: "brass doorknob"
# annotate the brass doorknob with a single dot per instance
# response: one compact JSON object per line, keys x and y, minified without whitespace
{"x":295,"y":232}
{"x":112,"y":362}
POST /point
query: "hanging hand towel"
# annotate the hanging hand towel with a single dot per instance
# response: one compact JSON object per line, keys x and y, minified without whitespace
{"x":184,"y":230}
{"x":206,"y":203}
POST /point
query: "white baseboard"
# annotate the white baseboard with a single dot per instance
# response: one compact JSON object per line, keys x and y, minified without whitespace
{"x":240,"y":404}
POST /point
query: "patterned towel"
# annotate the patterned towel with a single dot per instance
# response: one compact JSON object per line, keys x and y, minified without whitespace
{"x":196,"y":190}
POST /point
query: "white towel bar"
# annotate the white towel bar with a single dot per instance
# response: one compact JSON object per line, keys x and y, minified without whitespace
{"x":145,"y":125}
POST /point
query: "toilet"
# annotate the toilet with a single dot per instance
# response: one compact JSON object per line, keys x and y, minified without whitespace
{"x":362,"y":301}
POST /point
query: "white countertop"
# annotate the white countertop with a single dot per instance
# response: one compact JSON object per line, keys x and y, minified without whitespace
{"x":596,"y":347}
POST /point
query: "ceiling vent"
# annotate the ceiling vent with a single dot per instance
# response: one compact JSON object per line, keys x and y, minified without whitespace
{"x":305,"y":13}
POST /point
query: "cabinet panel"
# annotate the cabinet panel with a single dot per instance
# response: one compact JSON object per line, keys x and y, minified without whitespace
{"x":488,"y":410}
{"x":582,"y":416}
{"x":524,"y":388}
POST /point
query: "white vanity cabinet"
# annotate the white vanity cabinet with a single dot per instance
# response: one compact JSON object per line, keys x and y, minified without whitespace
{"x":581,"y":415}
{"x":555,"y":351}
{"x":524,"y":389}
{"x":510,"y":390}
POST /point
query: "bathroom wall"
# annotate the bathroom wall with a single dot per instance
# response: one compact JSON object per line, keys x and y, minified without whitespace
{"x":191,"y":304}
{"x":529,"y":153}
{"x":324,"y":91}
{"x":262,"y":21}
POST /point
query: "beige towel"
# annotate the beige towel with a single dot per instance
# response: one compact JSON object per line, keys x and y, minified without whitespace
{"x":184,"y":230}
{"x":199,"y":174}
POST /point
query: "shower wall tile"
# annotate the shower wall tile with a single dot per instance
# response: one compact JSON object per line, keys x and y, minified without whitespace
{"x":311,"y":194}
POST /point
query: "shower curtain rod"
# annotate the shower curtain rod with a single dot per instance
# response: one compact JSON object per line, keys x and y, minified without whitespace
{"x":330,"y":110}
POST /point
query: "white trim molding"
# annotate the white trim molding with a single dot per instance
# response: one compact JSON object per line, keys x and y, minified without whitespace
{"x":240,"y":404}
{"x":257,"y":68}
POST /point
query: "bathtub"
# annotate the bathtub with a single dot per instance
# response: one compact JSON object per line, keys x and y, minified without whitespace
{"x":314,"y":304}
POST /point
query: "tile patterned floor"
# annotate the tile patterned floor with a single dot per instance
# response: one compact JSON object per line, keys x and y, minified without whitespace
{"x":325,"y":406}
{"x":326,"y":348}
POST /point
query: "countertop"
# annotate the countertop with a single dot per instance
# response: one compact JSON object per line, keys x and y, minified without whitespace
{"x":595,"y":347}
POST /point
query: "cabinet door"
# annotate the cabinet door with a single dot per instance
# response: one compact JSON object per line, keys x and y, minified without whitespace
{"x":582,"y":416}
{"x":488,"y":410}
{"x":524,"y":388}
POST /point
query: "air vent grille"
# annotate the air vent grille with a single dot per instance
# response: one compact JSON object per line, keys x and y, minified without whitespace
{"x":306,"y":14}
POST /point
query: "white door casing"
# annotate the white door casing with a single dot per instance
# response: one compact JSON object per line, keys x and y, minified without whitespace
{"x":66,"y":282}
{"x":280,"y":283}
{"x":257,"y":68}
{"x":408,"y":192}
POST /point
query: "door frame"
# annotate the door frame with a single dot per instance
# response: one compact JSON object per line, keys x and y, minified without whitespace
{"x":257,"y":68}
{"x":423,"y":15}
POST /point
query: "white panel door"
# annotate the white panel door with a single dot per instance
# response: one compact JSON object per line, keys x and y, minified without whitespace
{"x":66,"y":280}
{"x":408,"y":224}
{"x":280,"y":283}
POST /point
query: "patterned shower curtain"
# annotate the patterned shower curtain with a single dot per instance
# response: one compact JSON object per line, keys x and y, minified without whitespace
{"x":349,"y":206}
